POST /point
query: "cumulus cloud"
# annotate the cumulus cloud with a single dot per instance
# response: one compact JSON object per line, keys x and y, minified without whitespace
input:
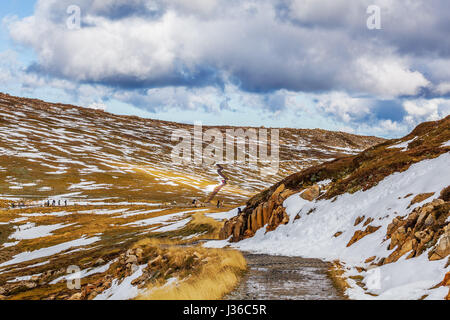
{"x":198,"y":43}
{"x":222,"y":54}
{"x":426,"y":110}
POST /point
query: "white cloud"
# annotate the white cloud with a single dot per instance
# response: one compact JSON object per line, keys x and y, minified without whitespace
{"x":344,"y":107}
{"x":420,"y":110}
{"x":388,"y":77}
{"x":443,"y":88}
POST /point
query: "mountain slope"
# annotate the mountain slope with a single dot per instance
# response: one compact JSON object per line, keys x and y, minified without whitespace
{"x":129,"y":206}
{"x":383,"y":213}
{"x":92,"y":156}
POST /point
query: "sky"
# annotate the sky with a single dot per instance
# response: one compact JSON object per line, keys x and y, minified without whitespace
{"x":330,"y":64}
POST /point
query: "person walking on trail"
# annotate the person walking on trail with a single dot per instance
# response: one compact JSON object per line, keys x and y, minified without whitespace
{"x":218,"y":204}
{"x":54,"y":203}
{"x":239,"y":210}
{"x":65,"y":203}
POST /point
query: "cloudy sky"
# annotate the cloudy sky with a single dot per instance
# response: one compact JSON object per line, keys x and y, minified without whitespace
{"x":292,"y":63}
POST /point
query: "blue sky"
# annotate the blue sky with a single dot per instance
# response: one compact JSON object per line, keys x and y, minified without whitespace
{"x":277,"y":63}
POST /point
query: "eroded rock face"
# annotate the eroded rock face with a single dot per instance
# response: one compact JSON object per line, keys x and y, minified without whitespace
{"x":424,"y":228}
{"x":269,"y":214}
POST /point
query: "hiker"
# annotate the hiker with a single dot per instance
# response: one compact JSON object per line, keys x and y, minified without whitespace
{"x":194,"y":201}
{"x":65,"y":203}
{"x":59,"y":203}
{"x":54,"y":203}
{"x":218,"y":203}
{"x":13,"y":205}
{"x":239,"y":210}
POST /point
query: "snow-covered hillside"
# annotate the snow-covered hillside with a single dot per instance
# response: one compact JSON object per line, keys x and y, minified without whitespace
{"x":384,"y":215}
{"x":92,"y":156}
{"x":312,"y":235}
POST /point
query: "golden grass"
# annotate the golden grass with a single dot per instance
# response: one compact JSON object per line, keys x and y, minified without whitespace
{"x":199,"y":219}
{"x":211,"y":281}
{"x":336,"y":274}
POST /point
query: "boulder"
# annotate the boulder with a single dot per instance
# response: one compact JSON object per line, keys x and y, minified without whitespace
{"x":76,"y":296}
{"x":131,"y":259}
{"x":311,"y":193}
{"x":442,"y":249}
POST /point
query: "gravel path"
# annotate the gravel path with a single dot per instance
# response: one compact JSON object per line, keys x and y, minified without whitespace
{"x":285,"y":278}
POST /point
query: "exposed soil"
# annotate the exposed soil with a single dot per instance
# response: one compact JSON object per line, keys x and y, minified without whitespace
{"x":285,"y":278}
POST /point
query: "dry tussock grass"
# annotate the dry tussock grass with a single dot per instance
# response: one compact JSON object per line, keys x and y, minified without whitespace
{"x":217,"y":276}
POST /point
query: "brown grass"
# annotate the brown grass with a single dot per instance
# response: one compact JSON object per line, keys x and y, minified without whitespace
{"x":336,"y":274}
{"x":216,"y":277}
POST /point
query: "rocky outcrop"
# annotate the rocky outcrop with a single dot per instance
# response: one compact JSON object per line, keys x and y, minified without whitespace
{"x":425,"y":228}
{"x":270,"y":213}
{"x":359,"y":234}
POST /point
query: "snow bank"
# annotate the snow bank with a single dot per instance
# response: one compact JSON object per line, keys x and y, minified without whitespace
{"x":312,"y":235}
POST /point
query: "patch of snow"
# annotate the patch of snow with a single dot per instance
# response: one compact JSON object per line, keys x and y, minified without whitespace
{"x":402,"y":145}
{"x":49,"y":251}
{"x":123,"y":290}
{"x":31,"y":231}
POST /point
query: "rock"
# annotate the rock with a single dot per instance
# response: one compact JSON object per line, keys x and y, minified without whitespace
{"x":134,"y":267}
{"x":368,"y":221}
{"x":248,"y":233}
{"x":227,"y":230}
{"x":443,"y":248}
{"x":437,"y":202}
{"x":407,"y":247}
{"x":254,"y":222}
{"x":446,"y":281}
{"x":368,"y":260}
{"x":266,"y":213}
{"x":130,"y":252}
{"x":2,"y":291}
{"x":420,"y":197}
{"x":259,"y":217}
{"x":287,"y":193}
{"x":99,"y":262}
{"x":337,"y":234}
{"x":429,"y":221}
{"x":76,"y":296}
{"x":2,"y":297}
{"x":277,"y":192}
{"x":35,"y":278}
{"x":131,"y":259}
{"x":139,"y":253}
{"x":311,"y":193}
{"x":358,"y":235}
{"x":238,"y":228}
{"x":159,"y":258}
{"x":358,"y":220}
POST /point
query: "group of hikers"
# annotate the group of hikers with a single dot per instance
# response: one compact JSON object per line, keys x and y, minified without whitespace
{"x":196,"y":203}
{"x":47,"y":203}
{"x":53,"y":203}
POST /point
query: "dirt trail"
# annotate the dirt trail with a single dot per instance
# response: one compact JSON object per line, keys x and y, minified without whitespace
{"x":285,"y":278}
